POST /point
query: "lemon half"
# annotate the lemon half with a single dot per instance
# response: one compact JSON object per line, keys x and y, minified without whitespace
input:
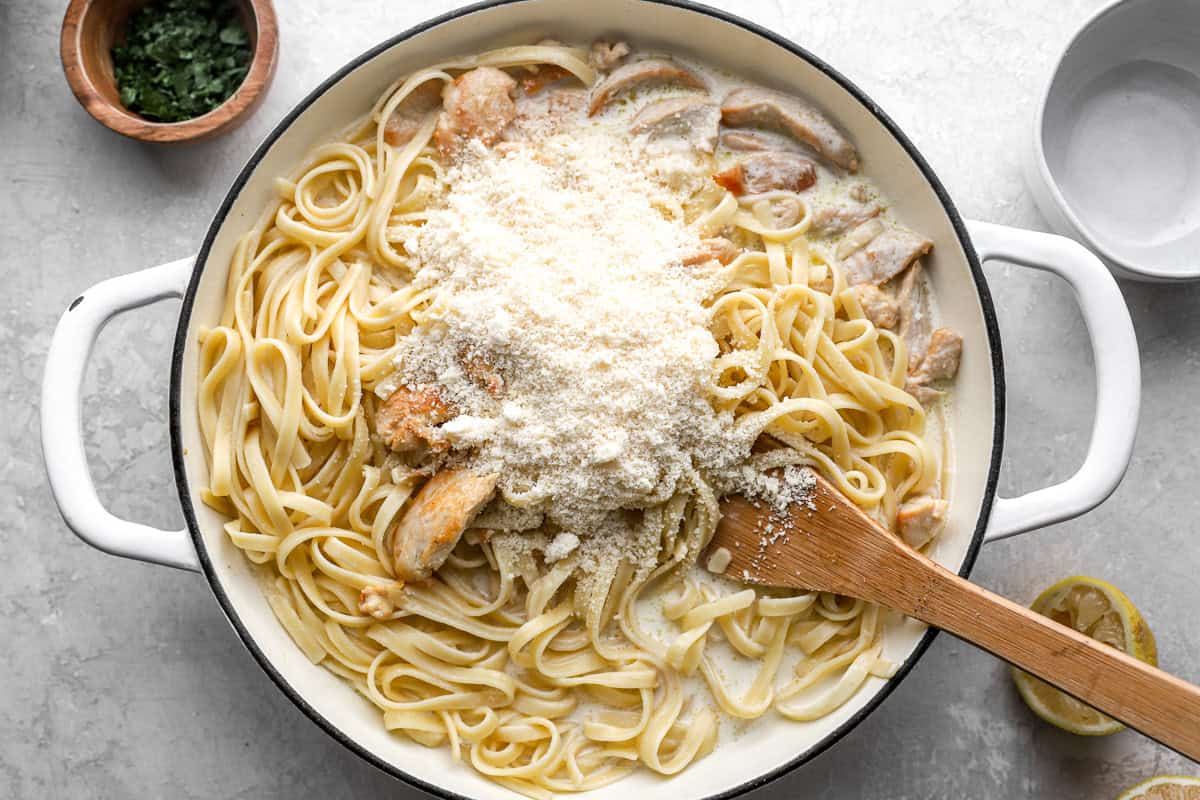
{"x":1165,"y":787}
{"x":1103,"y":612}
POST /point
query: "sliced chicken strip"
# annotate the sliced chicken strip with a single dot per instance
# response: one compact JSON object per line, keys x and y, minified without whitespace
{"x":914,"y":322}
{"x":407,"y":421}
{"x":693,"y":120}
{"x":477,"y":105}
{"x":923,"y":393}
{"x":921,"y":519}
{"x":885,"y":256}
{"x":407,"y":117}
{"x":768,"y":171}
{"x":752,"y":141}
{"x":649,"y":72}
{"x":941,"y":359}
{"x":716,"y":248}
{"x":606,"y":55}
{"x":878,"y":306}
{"x":939,"y":362}
{"x":762,"y":108}
{"x":435,"y":521}
{"x":838,"y":218}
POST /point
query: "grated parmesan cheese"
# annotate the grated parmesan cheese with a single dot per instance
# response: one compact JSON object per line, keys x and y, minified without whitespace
{"x":554,"y":263}
{"x":790,"y":486}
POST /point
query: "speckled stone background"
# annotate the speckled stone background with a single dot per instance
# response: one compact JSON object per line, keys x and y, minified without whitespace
{"x":119,"y":679}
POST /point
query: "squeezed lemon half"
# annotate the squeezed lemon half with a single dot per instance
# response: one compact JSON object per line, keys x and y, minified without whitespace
{"x":1165,"y":787}
{"x":1100,"y":610}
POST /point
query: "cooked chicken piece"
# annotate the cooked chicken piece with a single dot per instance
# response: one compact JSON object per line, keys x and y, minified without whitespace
{"x":439,"y":514}
{"x":768,"y":171}
{"x":878,"y":306}
{"x":380,"y":601}
{"x":546,"y":74}
{"x":937,"y":362}
{"x":923,"y":393}
{"x":716,"y":247}
{"x":752,"y":141}
{"x":762,"y":108}
{"x":407,"y":421}
{"x":606,"y":55}
{"x":941,"y":359}
{"x":481,"y":371}
{"x":885,"y":256}
{"x":836,"y":219}
{"x":478,"y":105}
{"x":651,"y":71}
{"x":407,"y":117}
{"x":914,"y":322}
{"x":692,"y":120}
{"x":921,"y":519}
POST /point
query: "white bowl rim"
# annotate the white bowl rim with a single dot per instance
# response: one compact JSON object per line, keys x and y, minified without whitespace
{"x":1051,"y":185}
{"x":175,"y":399}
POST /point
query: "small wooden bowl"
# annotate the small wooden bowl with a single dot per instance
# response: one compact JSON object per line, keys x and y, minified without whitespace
{"x":91,"y":26}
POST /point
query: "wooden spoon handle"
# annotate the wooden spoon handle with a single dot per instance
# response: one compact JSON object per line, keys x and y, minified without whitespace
{"x":1145,"y":698}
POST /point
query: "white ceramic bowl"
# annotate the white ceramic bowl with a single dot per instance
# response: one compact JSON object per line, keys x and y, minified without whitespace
{"x":772,"y":746}
{"x":1115,"y":161}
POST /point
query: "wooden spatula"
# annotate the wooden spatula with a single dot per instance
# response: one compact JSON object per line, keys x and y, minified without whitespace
{"x":830,"y":545}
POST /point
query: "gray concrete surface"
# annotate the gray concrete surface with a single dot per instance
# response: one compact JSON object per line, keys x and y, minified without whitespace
{"x":123,"y":680}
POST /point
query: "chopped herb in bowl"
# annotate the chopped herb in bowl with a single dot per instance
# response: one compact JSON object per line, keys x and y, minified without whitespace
{"x":181,"y":58}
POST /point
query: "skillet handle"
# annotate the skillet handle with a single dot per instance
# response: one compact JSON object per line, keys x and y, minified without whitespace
{"x":62,"y":438}
{"x":1118,"y":377}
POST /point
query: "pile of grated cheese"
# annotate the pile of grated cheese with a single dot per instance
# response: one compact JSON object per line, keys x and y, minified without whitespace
{"x":553,"y":262}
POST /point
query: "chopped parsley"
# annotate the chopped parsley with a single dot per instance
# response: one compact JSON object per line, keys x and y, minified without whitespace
{"x":181,"y":58}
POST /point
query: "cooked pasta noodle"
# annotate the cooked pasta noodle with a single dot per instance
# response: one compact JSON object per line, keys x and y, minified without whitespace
{"x":541,"y":675}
